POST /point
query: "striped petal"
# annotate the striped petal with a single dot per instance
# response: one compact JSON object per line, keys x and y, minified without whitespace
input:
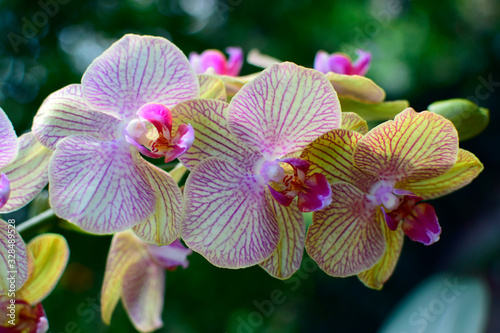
{"x":13,"y":259}
{"x":163,"y":226}
{"x":64,"y":113}
{"x":27,"y":173}
{"x":98,"y":185}
{"x":373,"y":111}
{"x":125,"y":251}
{"x":212,"y":138}
{"x":353,"y":122}
{"x":8,"y":140}
{"x":283,"y":109}
{"x":211,"y":87}
{"x":143,"y":294}
{"x":331,"y":155}
{"x":346,"y":238}
{"x":462,"y":173}
{"x":415,"y":146}
{"x":228,"y":218}
{"x":285,"y":261}
{"x":137,"y":70}
{"x":356,"y":87}
{"x":376,"y":276}
{"x":51,"y":253}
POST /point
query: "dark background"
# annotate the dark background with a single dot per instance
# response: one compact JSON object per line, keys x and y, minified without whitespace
{"x":423,"y":51}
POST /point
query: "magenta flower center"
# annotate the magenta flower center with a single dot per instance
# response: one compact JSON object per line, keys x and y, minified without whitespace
{"x":151,"y":133}
{"x":419,"y":219}
{"x":287,"y":178}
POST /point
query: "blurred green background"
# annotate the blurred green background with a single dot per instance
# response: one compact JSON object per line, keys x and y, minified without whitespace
{"x":423,"y":51}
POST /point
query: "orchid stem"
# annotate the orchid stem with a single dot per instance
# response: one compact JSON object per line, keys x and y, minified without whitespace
{"x":35,"y":220}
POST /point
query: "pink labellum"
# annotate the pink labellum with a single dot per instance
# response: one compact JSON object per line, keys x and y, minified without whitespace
{"x":160,"y":143}
{"x":170,"y":256}
{"x":313,"y":191}
{"x":158,"y":115}
{"x":282,"y":198}
{"x":405,"y":208}
{"x":422,"y":224}
{"x":4,"y":189}
{"x":216,"y":61}
{"x":317,"y":194}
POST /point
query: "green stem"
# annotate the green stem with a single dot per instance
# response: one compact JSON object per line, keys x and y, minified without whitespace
{"x":35,"y":220}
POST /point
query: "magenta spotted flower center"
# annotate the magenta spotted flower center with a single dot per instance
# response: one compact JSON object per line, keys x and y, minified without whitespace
{"x":287,"y":178}
{"x":151,"y":133}
{"x":419,"y":220}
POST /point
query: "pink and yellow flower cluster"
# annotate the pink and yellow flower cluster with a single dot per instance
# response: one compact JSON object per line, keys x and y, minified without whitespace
{"x":261,"y":150}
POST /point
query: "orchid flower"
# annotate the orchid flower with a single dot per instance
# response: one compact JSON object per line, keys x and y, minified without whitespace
{"x":39,"y":267}
{"x":245,"y":172}
{"x":99,"y":127}
{"x":215,"y":61}
{"x":378,"y":182}
{"x":135,"y":272}
{"x":340,"y":63}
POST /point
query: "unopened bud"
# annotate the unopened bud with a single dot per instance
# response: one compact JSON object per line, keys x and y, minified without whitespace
{"x":468,"y":118}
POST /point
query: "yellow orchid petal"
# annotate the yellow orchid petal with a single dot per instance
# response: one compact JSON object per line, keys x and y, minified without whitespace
{"x":353,"y":122}
{"x":13,"y":259}
{"x":51,"y":253}
{"x":414,"y":146}
{"x":287,"y":258}
{"x":212,"y":136}
{"x":178,"y":172}
{"x":462,"y":173}
{"x":162,"y":227}
{"x":126,"y":250}
{"x":211,"y":87}
{"x":356,"y":87}
{"x":376,"y":276}
{"x":346,"y":238}
{"x":331,"y":155}
{"x":373,"y":111}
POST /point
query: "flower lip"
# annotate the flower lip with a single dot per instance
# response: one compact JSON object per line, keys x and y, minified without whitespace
{"x":170,"y":256}
{"x":291,"y":180}
{"x":151,"y":133}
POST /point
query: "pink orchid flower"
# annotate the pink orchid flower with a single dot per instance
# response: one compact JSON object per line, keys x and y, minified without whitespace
{"x":98,"y":128}
{"x":215,"y":60}
{"x":245,"y":172}
{"x":135,"y":273}
{"x":378,"y":182}
{"x":340,"y":63}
